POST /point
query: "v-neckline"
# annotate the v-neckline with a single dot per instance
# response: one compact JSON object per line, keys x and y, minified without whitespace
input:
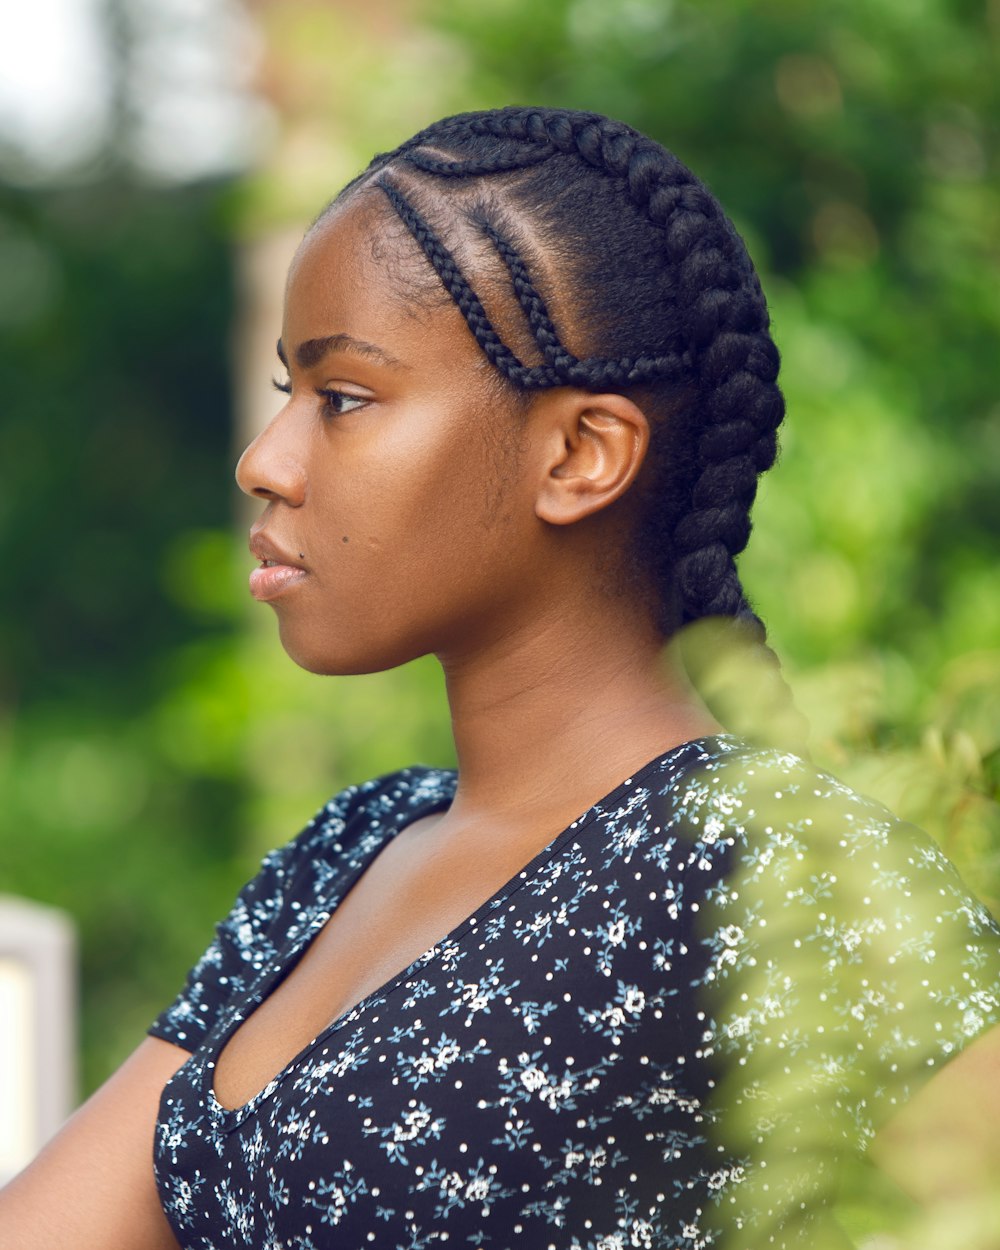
{"x":229,"y":1118}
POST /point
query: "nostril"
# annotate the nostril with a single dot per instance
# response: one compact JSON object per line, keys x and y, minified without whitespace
{"x":269,"y":470}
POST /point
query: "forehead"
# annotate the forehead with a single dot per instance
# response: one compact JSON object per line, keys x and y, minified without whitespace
{"x":360,"y":265}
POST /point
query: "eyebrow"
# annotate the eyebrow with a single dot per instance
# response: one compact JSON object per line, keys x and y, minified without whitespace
{"x":312,"y":351}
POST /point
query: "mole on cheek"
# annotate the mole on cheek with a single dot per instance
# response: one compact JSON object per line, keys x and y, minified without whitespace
{"x":344,"y":539}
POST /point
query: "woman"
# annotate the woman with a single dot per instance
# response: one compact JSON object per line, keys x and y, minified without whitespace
{"x":530,"y":389}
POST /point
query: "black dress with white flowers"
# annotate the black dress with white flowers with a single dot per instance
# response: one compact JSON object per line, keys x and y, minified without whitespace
{"x":558,"y":1070}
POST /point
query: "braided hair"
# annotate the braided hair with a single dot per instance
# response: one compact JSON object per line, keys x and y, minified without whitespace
{"x":626,"y":276}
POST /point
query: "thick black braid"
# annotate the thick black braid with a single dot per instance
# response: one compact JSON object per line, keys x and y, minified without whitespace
{"x":719,"y":444}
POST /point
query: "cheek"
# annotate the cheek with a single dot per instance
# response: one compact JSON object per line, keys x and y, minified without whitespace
{"x":419,"y":541}
{"x":428,"y":482}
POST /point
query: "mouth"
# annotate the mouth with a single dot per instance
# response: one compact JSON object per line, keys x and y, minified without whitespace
{"x":277,"y":574}
{"x":272,"y":580}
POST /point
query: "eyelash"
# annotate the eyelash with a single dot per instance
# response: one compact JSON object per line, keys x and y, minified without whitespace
{"x":332,"y":398}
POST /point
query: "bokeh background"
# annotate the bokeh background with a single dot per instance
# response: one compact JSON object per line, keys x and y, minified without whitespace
{"x":158,"y":161}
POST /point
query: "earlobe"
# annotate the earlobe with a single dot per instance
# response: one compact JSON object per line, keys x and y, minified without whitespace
{"x":597,"y":444}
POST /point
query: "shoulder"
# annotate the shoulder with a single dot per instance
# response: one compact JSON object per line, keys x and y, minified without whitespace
{"x":339,"y":840}
{"x":831,"y":926}
{"x":726,"y":799}
{"x":361,"y":815}
{"x":788,"y":862}
{"x":748,"y":800}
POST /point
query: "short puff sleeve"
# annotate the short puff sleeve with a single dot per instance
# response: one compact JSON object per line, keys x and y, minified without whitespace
{"x":250,"y":937}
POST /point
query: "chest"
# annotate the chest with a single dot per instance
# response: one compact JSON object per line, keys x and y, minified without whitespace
{"x":412,"y":894}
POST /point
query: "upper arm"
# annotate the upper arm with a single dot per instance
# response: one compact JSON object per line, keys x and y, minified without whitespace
{"x":92,"y":1187}
{"x":944,"y":1145}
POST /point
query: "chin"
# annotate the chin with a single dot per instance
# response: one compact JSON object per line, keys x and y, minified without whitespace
{"x":330,"y":658}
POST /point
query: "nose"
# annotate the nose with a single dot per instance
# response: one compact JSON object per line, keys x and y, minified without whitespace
{"x":270,"y":468}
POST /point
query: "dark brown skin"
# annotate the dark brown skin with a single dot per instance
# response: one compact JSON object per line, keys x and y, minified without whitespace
{"x":480,"y":535}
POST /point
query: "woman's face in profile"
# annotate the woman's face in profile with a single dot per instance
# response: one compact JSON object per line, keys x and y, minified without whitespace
{"x":393,"y":499}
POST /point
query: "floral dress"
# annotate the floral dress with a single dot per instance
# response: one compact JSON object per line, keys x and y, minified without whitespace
{"x":726,"y":948}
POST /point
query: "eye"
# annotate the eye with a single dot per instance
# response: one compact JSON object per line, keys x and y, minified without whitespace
{"x":337,"y":403}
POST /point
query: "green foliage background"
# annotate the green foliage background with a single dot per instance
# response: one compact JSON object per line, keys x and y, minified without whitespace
{"x":153,"y":741}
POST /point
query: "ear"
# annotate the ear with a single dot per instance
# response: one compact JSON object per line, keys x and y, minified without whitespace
{"x":593,"y":447}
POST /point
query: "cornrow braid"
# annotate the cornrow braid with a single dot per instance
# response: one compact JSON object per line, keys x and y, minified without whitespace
{"x":563,"y":369}
{"x":488,"y":165}
{"x":462,"y":293}
{"x":660,"y":275}
{"x":531,"y":302}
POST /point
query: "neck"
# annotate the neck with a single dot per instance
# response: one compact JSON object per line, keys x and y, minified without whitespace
{"x":548,"y":720}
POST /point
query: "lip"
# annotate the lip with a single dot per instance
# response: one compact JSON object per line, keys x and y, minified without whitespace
{"x":279,"y":571}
